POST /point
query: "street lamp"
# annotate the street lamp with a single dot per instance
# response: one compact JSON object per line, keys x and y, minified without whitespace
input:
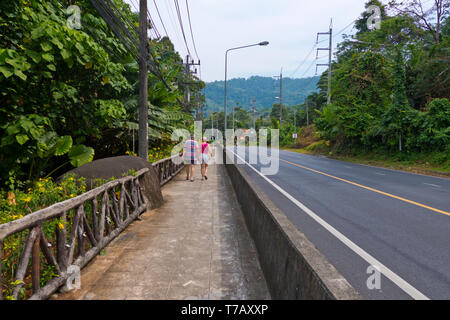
{"x":263,"y":43}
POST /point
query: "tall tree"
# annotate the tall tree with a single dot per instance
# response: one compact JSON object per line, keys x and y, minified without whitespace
{"x":429,"y":19}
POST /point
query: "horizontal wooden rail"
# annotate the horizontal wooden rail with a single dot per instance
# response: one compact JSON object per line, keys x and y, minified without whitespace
{"x":74,"y":231}
{"x":168,"y":168}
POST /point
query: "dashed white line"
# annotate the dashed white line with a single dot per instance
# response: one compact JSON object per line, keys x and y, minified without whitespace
{"x":433,"y":185}
{"x":402,"y":284}
{"x":380,"y":174}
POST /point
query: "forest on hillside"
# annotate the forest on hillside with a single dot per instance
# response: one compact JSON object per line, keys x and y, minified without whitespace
{"x":264,"y":90}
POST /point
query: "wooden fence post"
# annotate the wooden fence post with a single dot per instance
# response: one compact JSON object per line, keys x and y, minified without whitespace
{"x":36,"y":262}
{"x":1,"y":260}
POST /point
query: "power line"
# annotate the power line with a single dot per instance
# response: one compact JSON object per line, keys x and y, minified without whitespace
{"x":315,"y":45}
{"x":159,"y":15}
{"x":304,"y":60}
{"x":127,"y":21}
{"x":128,"y":40}
{"x":338,"y":33}
{"x":153,"y":25}
{"x":172,"y":21}
{"x":190,"y":27}
{"x":180,"y":20}
{"x":134,"y":6}
{"x":309,"y":68}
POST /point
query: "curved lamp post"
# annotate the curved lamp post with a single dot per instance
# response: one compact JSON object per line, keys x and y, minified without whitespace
{"x":264,"y":43}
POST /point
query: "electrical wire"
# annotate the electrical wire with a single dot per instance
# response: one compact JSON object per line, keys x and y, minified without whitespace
{"x":351,"y":23}
{"x":190,"y":27}
{"x":153,"y":26}
{"x":159,"y":15}
{"x":172,"y":21}
{"x":304,"y":60}
{"x":180,"y":20}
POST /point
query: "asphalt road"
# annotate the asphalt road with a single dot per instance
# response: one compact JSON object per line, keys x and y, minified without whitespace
{"x":400,"y":219}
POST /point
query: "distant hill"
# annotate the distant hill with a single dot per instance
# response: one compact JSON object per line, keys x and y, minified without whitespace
{"x":263,"y":89}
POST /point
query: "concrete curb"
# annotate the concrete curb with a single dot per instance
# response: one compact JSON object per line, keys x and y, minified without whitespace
{"x":294,"y":269}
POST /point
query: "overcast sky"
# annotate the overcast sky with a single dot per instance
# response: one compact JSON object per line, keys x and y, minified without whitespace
{"x":289,"y":25}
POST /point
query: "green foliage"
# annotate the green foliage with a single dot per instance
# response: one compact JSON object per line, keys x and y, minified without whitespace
{"x":80,"y":155}
{"x":65,"y":93}
{"x":16,"y":204}
{"x":389,"y":90}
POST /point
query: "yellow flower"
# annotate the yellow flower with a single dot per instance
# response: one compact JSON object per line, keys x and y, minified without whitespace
{"x":60,"y":188}
{"x":41,"y":189}
{"x":20,"y":216}
{"x":71,"y":179}
{"x":60,"y":225}
{"x":39,"y":184}
{"x":27,"y":199}
{"x":72,"y":195}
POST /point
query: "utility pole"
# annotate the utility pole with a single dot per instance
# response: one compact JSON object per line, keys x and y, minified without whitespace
{"x":143,"y":81}
{"x":330,"y":53}
{"x":281,"y":96}
{"x":232,"y":116}
{"x":187,"y":92}
{"x":254,"y":113}
{"x":203,"y":115}
{"x":295,"y":122}
{"x":307,"y":113}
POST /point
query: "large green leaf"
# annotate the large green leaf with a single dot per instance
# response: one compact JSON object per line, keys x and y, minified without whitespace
{"x":47,"y":57}
{"x":46,"y":46}
{"x":22,"y":138}
{"x":65,"y":54}
{"x":36,"y":57}
{"x":80,"y":154}
{"x":37,"y":33}
{"x":20,"y":74}
{"x":26,"y":124}
{"x":63,"y":145}
{"x":46,"y":144}
{"x":6,"y":71}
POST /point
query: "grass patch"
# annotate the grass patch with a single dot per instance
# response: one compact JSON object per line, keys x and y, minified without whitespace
{"x":416,"y":163}
{"x":435,"y":163}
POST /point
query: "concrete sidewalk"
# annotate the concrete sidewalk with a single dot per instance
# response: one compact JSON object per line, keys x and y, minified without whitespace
{"x":196,"y":246}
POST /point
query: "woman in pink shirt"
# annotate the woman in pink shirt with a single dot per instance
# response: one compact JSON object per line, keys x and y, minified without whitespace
{"x":205,"y":158}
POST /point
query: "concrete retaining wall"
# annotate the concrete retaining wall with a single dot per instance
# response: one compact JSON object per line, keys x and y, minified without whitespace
{"x":293,"y":267}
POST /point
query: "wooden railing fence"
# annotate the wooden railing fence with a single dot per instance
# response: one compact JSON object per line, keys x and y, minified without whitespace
{"x":72,"y":232}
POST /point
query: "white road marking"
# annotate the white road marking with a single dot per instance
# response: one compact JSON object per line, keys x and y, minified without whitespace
{"x":433,"y":185}
{"x":187,"y":283}
{"x":402,"y":284}
{"x":380,"y":174}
